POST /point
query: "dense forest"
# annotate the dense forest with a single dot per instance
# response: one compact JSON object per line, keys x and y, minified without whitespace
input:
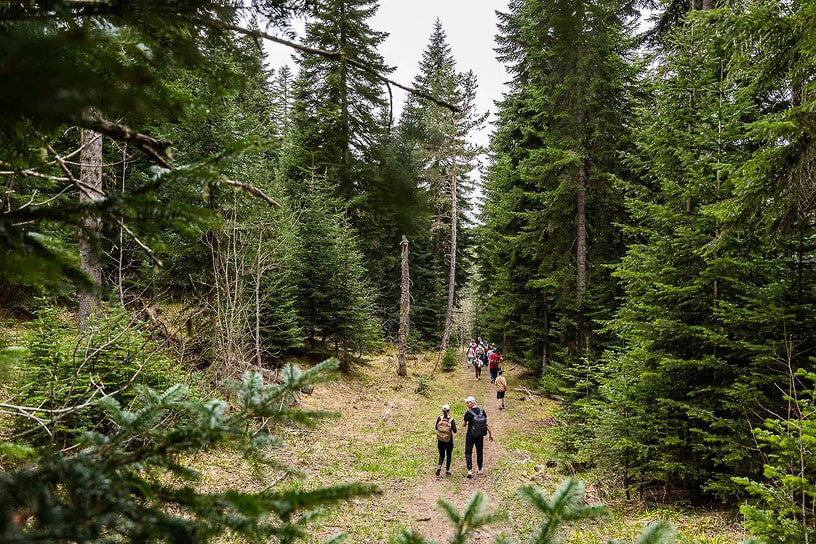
{"x":180,"y":222}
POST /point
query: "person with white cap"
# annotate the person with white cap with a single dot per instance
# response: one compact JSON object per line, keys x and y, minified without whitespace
{"x":445,"y":429}
{"x":477,"y":428}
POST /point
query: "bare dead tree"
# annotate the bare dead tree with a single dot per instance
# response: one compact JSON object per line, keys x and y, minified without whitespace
{"x":405,"y":307}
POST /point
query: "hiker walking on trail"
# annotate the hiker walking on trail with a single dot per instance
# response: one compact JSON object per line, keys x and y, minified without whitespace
{"x":471,"y":353}
{"x":478,"y":362}
{"x":501,"y":388}
{"x":493,"y":364}
{"x":445,"y":429}
{"x":477,"y":428}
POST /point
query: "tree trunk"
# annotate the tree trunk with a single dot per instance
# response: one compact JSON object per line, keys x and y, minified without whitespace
{"x":581,"y":256}
{"x":346,"y":182}
{"x":258,"y":278}
{"x":581,"y":253}
{"x":405,"y":308}
{"x":545,"y":351}
{"x":90,"y":253}
{"x":454,"y":221}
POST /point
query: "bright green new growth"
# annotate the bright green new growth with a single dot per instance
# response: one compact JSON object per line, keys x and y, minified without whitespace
{"x":471,"y":520}
{"x":565,"y":505}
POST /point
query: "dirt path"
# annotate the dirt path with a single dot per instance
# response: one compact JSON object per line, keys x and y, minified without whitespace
{"x":386,"y":437}
{"x":422,"y":499}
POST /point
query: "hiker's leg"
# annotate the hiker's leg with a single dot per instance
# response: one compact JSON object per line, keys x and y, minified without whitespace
{"x":479,"y":452}
{"x":469,"y":453}
{"x":441,"y":447}
{"x":449,"y":452}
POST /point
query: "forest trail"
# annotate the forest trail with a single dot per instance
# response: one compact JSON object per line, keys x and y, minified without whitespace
{"x":386,"y":437}
{"x":422,"y":504}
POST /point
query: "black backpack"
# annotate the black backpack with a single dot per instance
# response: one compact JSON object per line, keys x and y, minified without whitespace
{"x":478,"y":425}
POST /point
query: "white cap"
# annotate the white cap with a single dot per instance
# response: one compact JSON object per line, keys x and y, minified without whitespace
{"x":470,"y":399}
{"x":445,"y":408}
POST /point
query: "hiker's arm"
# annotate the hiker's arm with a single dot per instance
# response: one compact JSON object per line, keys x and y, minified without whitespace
{"x":453,"y":425}
{"x":489,"y":432}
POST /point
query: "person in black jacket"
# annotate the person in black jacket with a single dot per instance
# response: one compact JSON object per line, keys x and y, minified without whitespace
{"x":473,"y":438}
{"x":444,"y":439}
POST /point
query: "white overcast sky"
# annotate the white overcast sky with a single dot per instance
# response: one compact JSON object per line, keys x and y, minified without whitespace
{"x":471,"y":29}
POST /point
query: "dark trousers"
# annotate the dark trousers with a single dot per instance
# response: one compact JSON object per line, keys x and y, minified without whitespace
{"x":445,"y":450}
{"x":471,"y":441}
{"x":494,"y":373}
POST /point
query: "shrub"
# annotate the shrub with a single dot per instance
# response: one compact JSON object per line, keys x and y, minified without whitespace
{"x":783,"y":507}
{"x":423,"y":385}
{"x":450,"y":360}
{"x":62,"y":367}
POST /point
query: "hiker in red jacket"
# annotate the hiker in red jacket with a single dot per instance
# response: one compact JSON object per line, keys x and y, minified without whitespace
{"x":493,"y":364}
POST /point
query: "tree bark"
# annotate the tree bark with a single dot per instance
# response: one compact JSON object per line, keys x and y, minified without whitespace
{"x":405,"y":308}
{"x":545,"y":350}
{"x":454,"y":221}
{"x":581,"y":254}
{"x":90,"y":253}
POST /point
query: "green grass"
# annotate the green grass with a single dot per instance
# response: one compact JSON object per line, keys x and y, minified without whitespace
{"x":389,"y":461}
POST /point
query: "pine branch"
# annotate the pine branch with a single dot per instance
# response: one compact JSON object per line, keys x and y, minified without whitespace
{"x":335,"y":55}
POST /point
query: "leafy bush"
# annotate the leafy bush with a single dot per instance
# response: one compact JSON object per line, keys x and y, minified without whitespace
{"x":450,"y":360}
{"x":63,"y":368}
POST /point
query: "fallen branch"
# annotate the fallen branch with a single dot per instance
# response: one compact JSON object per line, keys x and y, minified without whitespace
{"x":529,"y":393}
{"x":388,"y":411}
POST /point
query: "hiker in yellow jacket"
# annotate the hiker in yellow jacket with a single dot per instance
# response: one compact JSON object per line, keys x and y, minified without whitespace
{"x":501,"y":388}
{"x":445,"y":429}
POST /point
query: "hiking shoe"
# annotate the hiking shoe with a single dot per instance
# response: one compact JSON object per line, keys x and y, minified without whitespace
{"x":447,"y":473}
{"x":480,"y":472}
{"x":469,"y":474}
{"x":438,"y":471}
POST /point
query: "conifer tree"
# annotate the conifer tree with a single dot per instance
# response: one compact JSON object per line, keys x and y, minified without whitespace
{"x":334,"y":301}
{"x":446,"y":158}
{"x":338,"y":105}
{"x":551,"y":206}
{"x":711,"y":308}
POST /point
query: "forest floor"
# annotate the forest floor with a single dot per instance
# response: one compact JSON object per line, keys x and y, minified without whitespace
{"x":385,"y":436}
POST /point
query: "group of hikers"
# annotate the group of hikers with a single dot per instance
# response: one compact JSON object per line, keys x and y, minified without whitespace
{"x":479,"y":354}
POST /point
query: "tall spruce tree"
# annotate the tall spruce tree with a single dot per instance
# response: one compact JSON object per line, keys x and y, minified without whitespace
{"x":713,"y":314}
{"x":338,"y":105}
{"x":440,"y":140}
{"x":551,"y":206}
{"x":335,"y":303}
